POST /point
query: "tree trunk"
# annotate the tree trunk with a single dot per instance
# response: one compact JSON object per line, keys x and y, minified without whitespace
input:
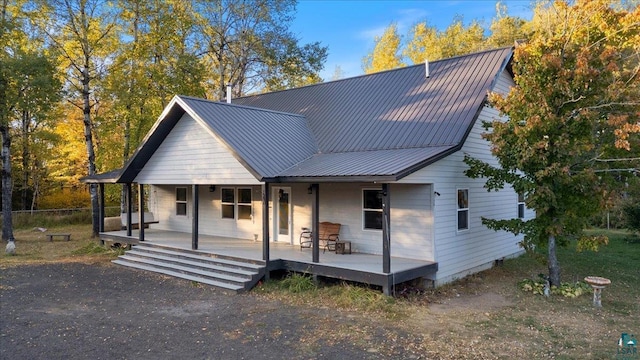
{"x":25,"y":160}
{"x":554,"y":267}
{"x":88,"y":138}
{"x":7,"y":220}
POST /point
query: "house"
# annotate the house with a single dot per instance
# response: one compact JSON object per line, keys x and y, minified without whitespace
{"x":381,"y":154}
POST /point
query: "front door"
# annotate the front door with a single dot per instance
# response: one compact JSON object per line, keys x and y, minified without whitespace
{"x":282,"y":214}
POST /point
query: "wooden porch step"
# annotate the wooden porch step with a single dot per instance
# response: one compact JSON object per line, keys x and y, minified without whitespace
{"x":248,"y":264}
{"x":229,"y":273}
{"x":223,"y":285}
{"x":195,"y":270}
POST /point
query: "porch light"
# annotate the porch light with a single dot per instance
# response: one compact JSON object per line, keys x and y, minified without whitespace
{"x":212,"y":188}
{"x":310,"y":190}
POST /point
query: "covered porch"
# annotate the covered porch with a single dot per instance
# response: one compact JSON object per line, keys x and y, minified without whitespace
{"x":356,"y":267}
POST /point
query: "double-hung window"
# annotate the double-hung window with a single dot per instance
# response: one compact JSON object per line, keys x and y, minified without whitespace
{"x":244,"y":203}
{"x":236,"y":203}
{"x":463,"y":209}
{"x":228,"y":197}
{"x":520,"y":206}
{"x":181,"y":201}
{"x":372,"y":209}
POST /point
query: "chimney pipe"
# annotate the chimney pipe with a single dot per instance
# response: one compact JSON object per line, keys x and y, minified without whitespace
{"x":426,"y":68}
{"x":229,"y":93}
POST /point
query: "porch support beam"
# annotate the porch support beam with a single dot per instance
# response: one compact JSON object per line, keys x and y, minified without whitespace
{"x":141,"y":212}
{"x":129,"y":208}
{"x":101,"y":208}
{"x":386,"y":230}
{"x":101,"y":211}
{"x":194,"y":218}
{"x":265,"y":222}
{"x":315,"y":223}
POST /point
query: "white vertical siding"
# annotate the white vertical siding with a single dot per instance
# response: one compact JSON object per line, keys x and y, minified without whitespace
{"x":190,"y":154}
{"x":461,"y":252}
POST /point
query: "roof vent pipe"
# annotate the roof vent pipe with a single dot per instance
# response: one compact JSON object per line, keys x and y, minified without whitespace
{"x":426,"y":68}
{"x":229,"y":93}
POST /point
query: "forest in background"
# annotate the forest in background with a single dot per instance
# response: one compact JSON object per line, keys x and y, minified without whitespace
{"x":82,"y":81}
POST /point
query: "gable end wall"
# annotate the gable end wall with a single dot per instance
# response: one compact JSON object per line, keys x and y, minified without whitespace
{"x":191,"y":154}
{"x":460,"y":253}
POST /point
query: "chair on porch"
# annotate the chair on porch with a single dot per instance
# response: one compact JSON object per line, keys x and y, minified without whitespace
{"x":328,"y":235}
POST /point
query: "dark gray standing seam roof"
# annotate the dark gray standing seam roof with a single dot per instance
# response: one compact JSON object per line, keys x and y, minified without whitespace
{"x":381,"y":126}
{"x":361,"y":123}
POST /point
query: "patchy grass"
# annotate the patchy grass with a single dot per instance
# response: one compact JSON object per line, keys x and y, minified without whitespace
{"x":33,"y":247}
{"x":487,"y":316}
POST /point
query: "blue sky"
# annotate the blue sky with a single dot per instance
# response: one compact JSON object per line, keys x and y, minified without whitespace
{"x":348,"y":27}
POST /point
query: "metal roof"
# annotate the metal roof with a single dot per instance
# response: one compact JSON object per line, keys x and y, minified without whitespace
{"x":266,"y":141}
{"x":396,"y":109}
{"x":372,"y":127}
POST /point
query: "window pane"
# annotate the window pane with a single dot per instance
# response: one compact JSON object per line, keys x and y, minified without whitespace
{"x":521,"y":211}
{"x":181,"y":194}
{"x":227,"y":212}
{"x":463,"y":199}
{"x":228,"y":196}
{"x":373,"y":220}
{"x":244,"y":212}
{"x":521,"y":198}
{"x":463,"y":220}
{"x":244,"y":196}
{"x":181,"y":208}
{"x":372,"y":199}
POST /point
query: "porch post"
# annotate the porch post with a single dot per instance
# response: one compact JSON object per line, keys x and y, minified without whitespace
{"x":194,"y":222}
{"x":141,"y":212}
{"x":265,"y":222}
{"x":315,"y":222}
{"x":129,"y":208}
{"x":386,"y":230}
{"x":101,"y":209}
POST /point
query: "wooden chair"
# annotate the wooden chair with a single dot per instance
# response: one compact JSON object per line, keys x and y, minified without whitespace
{"x":328,"y":234}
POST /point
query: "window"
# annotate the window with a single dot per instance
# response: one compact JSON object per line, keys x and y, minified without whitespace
{"x":240,"y":204}
{"x":372,"y":209}
{"x":244,"y":204}
{"x":181,"y":201}
{"x":228,"y":203}
{"x":520,"y":206}
{"x":463,"y":209}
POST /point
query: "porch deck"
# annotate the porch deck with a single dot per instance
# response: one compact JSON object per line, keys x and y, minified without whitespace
{"x":358,"y":267}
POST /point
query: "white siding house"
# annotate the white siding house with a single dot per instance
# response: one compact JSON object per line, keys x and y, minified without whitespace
{"x":351,"y":146}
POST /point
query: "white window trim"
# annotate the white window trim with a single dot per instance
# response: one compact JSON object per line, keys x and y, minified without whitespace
{"x":236,"y":203}
{"x":363,"y":209}
{"x":185,"y":202}
{"x":458,"y":210}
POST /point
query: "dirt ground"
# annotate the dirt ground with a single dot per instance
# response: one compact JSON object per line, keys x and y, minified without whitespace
{"x":103,"y":311}
{"x":75,"y":310}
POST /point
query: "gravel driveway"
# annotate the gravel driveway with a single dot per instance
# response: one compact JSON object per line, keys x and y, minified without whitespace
{"x":104,"y":311}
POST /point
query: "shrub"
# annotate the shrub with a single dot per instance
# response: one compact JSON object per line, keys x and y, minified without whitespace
{"x":632,"y":216}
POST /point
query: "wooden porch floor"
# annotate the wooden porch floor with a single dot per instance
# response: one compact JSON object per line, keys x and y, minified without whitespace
{"x":359,"y":267}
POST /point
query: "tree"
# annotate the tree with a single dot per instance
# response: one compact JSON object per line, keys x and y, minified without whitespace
{"x":247,"y":44}
{"x":575,"y":101}
{"x":83,"y":32}
{"x":505,"y":29}
{"x":427,"y":43}
{"x":386,"y":52}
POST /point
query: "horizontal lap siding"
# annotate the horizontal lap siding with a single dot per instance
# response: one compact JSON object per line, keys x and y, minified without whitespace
{"x":210,"y":221}
{"x":342,"y":203}
{"x":191,"y":154}
{"x":459,"y":252}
